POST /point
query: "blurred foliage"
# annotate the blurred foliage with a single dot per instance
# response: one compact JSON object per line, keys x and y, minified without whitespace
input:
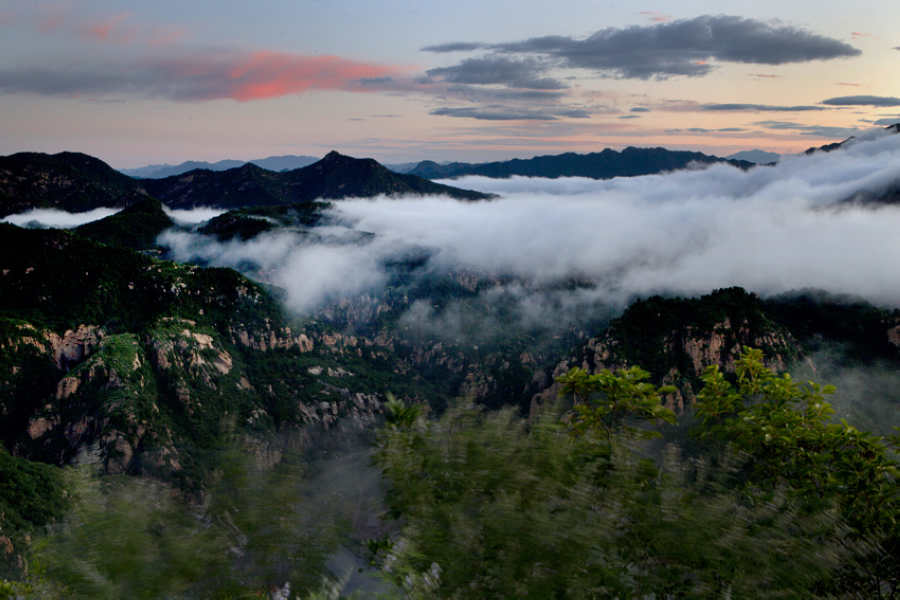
{"x":497,"y":506}
{"x":32,"y":495}
{"x":604,"y":403}
{"x":255,"y":530}
{"x":785,"y":427}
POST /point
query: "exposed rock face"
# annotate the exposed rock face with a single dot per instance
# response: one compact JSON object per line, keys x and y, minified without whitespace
{"x":675,"y":350}
{"x":70,"y":348}
{"x":270,"y":339}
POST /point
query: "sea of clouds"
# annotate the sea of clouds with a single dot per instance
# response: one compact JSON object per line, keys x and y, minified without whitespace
{"x":769,"y":229}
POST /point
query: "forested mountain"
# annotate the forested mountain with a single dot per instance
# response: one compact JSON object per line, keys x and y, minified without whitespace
{"x":69,"y":181}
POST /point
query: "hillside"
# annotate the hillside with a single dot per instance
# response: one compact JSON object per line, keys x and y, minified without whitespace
{"x":68,"y":181}
{"x":809,"y":332}
{"x":107,"y":351}
{"x":136,"y":226}
{"x":630,"y":162}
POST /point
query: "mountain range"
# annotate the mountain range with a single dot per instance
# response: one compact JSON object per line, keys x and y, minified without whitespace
{"x":77,"y":182}
{"x":609,"y":163}
{"x":286,"y":162}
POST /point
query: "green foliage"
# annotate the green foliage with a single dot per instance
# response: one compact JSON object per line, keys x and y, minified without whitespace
{"x":497,"y":507}
{"x":32,"y":495}
{"x":605,"y":402}
{"x":494,"y":506}
{"x":124,"y":539}
{"x":135,"y":538}
{"x":785,"y":426}
{"x":399,"y":415}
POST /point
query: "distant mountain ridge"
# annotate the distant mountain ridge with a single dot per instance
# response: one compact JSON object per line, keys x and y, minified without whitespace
{"x":285,"y":162}
{"x":335,"y":176}
{"x":895,"y":128}
{"x":77,"y":182}
{"x":760,"y":157}
{"x":607,"y":164}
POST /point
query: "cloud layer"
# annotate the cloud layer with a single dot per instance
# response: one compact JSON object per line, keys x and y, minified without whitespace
{"x":771,"y":229}
{"x":862,"y":101}
{"x":57,"y":219}
{"x":682,"y":47}
{"x":197,"y":76}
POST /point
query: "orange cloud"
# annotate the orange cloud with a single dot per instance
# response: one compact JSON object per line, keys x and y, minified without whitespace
{"x":849,"y":84}
{"x":267,"y":74}
{"x":765,"y":75}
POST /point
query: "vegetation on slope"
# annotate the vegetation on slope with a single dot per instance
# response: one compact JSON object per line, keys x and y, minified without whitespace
{"x":68,"y":181}
{"x":136,"y":226}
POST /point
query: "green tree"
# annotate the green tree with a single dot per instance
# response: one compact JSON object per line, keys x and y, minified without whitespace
{"x":786,"y":428}
{"x":568,"y":504}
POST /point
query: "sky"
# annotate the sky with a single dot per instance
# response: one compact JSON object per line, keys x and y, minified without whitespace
{"x":137,"y":83}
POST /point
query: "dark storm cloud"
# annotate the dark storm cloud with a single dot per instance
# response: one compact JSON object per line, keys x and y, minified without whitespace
{"x":758,"y":108}
{"x":524,"y":73}
{"x":679,"y":47}
{"x":641,"y":109}
{"x":862,"y":101}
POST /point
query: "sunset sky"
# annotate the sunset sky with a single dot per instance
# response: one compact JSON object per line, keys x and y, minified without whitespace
{"x":400,"y":80}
